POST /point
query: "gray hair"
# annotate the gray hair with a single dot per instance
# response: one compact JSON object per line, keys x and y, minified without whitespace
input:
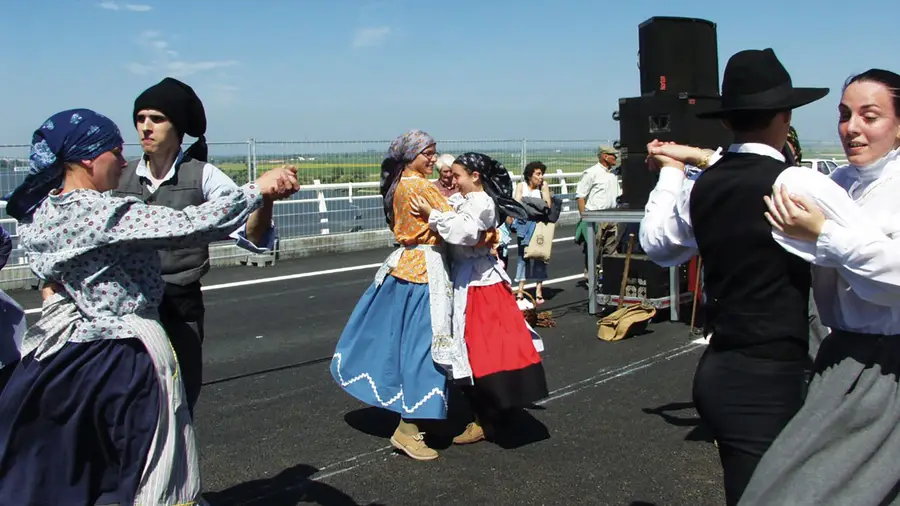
{"x":445,"y":160}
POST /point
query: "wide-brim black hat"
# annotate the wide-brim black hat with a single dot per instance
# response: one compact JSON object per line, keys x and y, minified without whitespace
{"x":756,"y":81}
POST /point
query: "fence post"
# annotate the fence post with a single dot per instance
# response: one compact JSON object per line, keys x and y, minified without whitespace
{"x":323,"y":209}
{"x":563,"y":189}
{"x":524,"y":155}
{"x":250,"y":177}
{"x":255,"y":161}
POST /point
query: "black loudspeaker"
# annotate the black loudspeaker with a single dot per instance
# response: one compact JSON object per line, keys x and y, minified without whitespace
{"x":669,"y":117}
{"x":637,"y":179}
{"x":678,"y":55}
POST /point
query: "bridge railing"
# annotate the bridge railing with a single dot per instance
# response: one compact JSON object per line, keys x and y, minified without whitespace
{"x":339,"y":179}
{"x":334,"y":208}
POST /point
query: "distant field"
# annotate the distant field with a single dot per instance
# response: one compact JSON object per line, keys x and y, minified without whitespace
{"x":346,"y":168}
{"x":336,"y":170}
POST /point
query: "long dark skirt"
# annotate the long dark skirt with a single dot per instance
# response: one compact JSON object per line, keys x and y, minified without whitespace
{"x":843,"y":446}
{"x":76,"y":428}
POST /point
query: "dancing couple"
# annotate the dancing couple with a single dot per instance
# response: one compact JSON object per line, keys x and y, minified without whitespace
{"x":421,"y":326}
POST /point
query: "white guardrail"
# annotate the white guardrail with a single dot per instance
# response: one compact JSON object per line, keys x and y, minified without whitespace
{"x":561,"y":187}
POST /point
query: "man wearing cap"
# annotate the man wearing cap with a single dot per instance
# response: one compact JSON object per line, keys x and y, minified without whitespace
{"x":598,"y":190}
{"x":751,"y":379}
{"x":167,"y":176}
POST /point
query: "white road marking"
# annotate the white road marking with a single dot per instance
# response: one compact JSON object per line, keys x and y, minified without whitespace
{"x":605,"y":376}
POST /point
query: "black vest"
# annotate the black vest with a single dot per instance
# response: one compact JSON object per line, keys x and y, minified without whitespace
{"x":757,"y":293}
{"x":184,"y":266}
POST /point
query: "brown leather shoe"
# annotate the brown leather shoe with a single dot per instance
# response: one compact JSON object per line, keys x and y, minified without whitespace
{"x":473,"y":434}
{"x":414,"y":445}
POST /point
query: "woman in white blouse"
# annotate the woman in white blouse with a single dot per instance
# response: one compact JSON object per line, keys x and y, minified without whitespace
{"x":506,"y":367}
{"x":531,"y":269}
{"x":842,"y":446}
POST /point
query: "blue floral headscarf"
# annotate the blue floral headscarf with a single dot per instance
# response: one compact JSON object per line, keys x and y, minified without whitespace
{"x":68,"y":136}
{"x":403,"y":150}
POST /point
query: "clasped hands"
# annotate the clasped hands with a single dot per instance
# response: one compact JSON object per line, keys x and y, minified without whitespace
{"x":796,"y":216}
{"x":278,"y":183}
{"x":668,"y":154}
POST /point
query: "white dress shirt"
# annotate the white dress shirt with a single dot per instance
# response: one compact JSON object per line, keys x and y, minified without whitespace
{"x":856,"y":273}
{"x":599,"y":188}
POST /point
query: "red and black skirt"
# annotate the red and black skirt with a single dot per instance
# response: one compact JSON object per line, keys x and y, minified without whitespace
{"x":506,"y":366}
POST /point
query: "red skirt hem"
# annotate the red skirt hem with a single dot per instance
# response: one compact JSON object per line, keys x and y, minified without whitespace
{"x":497,"y":338}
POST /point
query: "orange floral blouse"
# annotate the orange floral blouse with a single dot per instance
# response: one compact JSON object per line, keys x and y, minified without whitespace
{"x":412,"y":230}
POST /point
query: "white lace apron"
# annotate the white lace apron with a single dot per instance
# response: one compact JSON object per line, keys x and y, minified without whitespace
{"x":463,"y":267}
{"x":448,"y":348}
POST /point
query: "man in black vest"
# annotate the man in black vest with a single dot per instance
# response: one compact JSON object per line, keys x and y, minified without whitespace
{"x":167,"y":176}
{"x":751,"y":379}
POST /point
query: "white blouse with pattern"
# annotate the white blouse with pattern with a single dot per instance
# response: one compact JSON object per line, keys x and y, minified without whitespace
{"x":104,"y":250}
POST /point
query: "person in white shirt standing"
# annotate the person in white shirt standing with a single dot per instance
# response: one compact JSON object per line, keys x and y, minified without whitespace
{"x":599,"y":190}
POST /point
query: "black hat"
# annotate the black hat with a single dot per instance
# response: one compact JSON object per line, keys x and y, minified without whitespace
{"x":181,"y":105}
{"x":756,"y":81}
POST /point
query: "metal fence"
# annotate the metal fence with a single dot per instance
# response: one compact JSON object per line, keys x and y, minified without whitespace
{"x":340,"y":178}
{"x":358,"y":161}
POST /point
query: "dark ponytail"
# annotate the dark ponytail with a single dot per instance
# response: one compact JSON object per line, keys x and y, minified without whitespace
{"x":390,"y":175}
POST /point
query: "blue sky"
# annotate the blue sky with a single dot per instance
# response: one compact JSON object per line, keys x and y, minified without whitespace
{"x":355,"y":69}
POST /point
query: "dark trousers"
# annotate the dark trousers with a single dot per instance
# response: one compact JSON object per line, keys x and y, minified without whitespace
{"x":605,"y":242}
{"x":181,"y":314}
{"x":746,"y":402}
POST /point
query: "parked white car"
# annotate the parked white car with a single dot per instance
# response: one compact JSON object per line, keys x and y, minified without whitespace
{"x":824,"y":166}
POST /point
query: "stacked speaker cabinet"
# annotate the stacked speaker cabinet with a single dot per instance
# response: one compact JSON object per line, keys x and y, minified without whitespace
{"x":667,"y":117}
{"x":679,"y":78}
{"x":678,"y":55}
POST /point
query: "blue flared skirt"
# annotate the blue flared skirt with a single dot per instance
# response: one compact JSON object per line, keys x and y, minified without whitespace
{"x":383,"y":357}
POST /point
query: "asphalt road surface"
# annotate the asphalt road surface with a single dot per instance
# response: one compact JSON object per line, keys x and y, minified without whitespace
{"x":618,"y":429}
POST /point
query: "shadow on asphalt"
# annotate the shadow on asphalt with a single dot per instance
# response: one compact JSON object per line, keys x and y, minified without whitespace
{"x":515,"y":429}
{"x":288,"y":488}
{"x":689,"y":419}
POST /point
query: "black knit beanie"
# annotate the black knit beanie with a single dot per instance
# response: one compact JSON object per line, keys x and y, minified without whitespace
{"x":182,"y":106}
